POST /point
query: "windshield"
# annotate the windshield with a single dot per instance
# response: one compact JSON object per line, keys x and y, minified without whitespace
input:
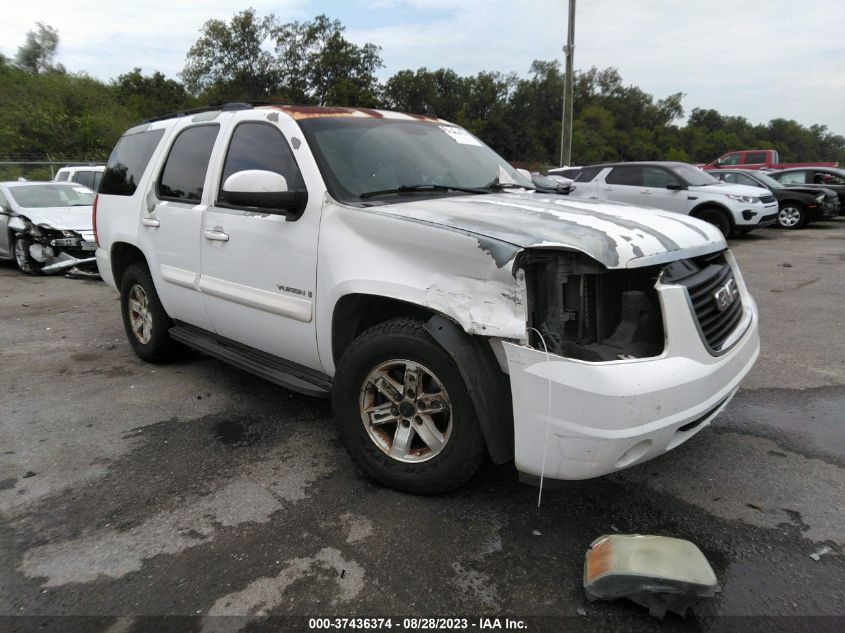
{"x":693,"y":176}
{"x":41,"y":196}
{"x":368,"y":155}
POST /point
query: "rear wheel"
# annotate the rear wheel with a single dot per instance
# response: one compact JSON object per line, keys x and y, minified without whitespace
{"x":718,"y":218}
{"x":403,"y":412}
{"x":23,"y":259}
{"x":144,"y":319}
{"x":791,"y":216}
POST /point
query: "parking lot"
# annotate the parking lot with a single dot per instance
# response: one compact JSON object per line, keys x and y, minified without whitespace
{"x":193,"y":489}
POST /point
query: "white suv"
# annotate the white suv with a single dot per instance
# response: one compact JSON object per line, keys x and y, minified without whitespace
{"x":373,"y":256}
{"x":87,"y":175}
{"x":681,"y":188}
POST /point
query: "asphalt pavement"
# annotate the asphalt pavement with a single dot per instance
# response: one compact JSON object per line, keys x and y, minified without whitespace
{"x":195,"y":497}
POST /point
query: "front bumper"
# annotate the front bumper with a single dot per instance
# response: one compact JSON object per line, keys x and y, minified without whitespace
{"x":577,"y":420}
{"x":756,"y":215}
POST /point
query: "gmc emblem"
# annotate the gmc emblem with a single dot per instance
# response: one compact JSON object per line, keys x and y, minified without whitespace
{"x":726,"y":295}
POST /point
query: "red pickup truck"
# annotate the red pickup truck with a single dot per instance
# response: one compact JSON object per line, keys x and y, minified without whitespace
{"x":757,"y":159}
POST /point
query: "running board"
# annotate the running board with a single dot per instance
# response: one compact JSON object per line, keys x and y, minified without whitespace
{"x":288,"y":375}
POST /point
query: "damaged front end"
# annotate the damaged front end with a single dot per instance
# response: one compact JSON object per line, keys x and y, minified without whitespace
{"x":43,"y":249}
{"x":579,"y":309}
{"x":623,"y":364}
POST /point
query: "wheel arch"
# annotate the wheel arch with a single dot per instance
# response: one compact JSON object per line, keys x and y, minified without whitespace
{"x":122,"y":255}
{"x":710,"y":205}
{"x":487,"y":385}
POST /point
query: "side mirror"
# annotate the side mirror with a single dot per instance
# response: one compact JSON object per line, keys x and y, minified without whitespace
{"x":675,"y":186}
{"x":263,"y":190}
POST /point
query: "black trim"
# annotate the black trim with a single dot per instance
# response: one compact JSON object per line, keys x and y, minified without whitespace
{"x":689,"y":426}
{"x":282,"y":372}
{"x":487,"y":385}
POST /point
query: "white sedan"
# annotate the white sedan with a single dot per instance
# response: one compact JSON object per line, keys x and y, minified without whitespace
{"x":46,"y":227}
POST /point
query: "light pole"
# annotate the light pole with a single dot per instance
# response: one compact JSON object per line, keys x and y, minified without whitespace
{"x":568,"y":92}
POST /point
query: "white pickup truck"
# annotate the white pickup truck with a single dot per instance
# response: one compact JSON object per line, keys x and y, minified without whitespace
{"x":397,"y":264}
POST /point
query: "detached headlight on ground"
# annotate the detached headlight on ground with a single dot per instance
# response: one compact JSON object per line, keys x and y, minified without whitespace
{"x":657,"y":572}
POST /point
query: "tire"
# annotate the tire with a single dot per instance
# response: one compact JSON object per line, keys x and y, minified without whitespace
{"x":424,"y":442}
{"x":26,"y":263}
{"x":144,"y":319}
{"x":791,"y":216}
{"x":719,"y":219}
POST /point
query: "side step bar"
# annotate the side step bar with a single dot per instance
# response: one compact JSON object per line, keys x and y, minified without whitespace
{"x":288,"y":375}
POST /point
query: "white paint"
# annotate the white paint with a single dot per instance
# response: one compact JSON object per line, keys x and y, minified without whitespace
{"x":600,"y":411}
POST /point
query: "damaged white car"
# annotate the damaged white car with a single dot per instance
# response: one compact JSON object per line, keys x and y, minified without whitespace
{"x":46,"y":227}
{"x":389,"y":261}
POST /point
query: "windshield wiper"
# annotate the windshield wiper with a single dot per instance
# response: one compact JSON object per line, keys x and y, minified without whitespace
{"x":495,"y":185}
{"x":420,"y":188}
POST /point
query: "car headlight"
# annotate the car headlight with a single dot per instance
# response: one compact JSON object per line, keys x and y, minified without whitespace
{"x":820,"y":199}
{"x":743,"y":199}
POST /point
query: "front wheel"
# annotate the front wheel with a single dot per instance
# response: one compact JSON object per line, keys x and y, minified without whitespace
{"x":718,"y":219}
{"x":144,"y":319}
{"x":402,"y":410}
{"x":791,"y":216}
{"x":26,"y":262}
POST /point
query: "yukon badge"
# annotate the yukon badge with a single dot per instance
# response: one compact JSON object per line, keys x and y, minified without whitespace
{"x":726,"y":295}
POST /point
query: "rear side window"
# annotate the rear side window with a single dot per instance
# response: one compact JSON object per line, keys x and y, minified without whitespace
{"x":587,"y":174}
{"x":261,"y":146}
{"x":128,"y":161}
{"x":792,"y":178}
{"x":183,"y":176}
{"x":755,"y":158}
{"x":625,"y":175}
{"x":85,"y":178}
{"x":657,"y":177}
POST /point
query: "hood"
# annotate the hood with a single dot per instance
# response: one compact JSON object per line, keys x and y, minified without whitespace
{"x":616,"y":235}
{"x":66,"y":218}
{"x":810,"y":191}
{"x":734,"y":190}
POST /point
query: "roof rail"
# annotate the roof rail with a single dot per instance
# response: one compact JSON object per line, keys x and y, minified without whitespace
{"x":219,"y":105}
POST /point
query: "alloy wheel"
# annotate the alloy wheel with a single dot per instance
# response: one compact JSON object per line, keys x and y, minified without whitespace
{"x":789,"y":217}
{"x":140,"y":317}
{"x":406,"y":411}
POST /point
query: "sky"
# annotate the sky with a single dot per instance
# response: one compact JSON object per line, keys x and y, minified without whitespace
{"x":760,"y":59}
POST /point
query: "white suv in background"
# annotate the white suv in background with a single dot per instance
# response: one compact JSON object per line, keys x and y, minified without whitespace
{"x":681,"y":188}
{"x":86,"y":175}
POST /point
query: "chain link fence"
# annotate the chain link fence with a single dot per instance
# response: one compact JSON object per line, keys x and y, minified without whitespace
{"x":41,"y":167}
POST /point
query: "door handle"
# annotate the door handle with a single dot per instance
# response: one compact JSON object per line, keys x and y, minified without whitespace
{"x":607,"y":188}
{"x":151,"y":222}
{"x":216,"y":236}
{"x":646,"y":191}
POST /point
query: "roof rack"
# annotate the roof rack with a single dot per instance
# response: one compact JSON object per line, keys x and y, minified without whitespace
{"x":226,"y":106}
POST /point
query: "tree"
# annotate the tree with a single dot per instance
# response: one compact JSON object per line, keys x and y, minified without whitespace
{"x":228,"y":60}
{"x":37,"y":53}
{"x":151,"y":94}
{"x":318,"y":65}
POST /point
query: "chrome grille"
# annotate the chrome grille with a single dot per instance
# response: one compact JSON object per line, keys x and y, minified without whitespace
{"x":708,"y":281}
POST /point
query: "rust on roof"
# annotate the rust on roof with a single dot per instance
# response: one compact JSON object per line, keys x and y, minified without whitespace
{"x":299,"y":112}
